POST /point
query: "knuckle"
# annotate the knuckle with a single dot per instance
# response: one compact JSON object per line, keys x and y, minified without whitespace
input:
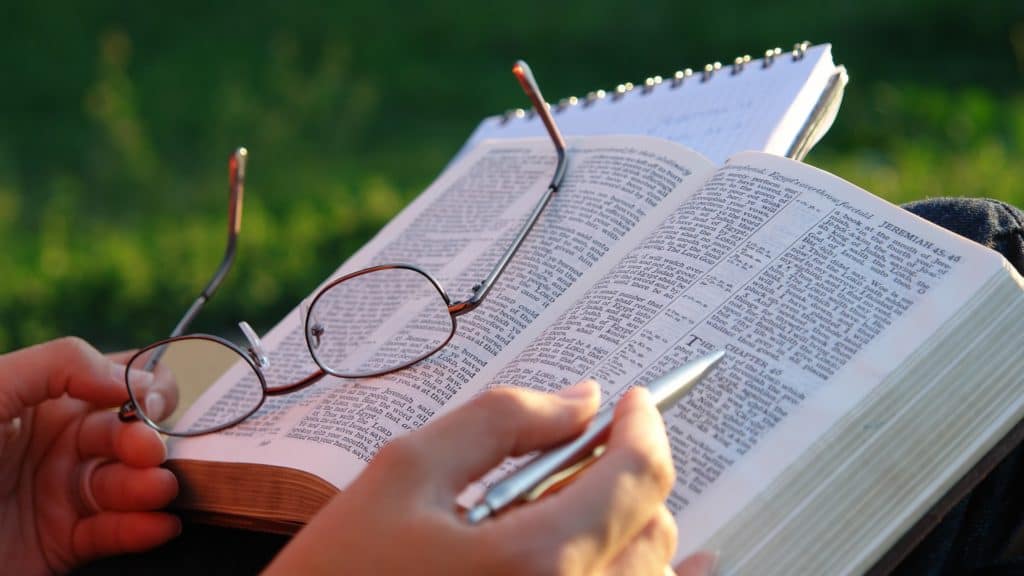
{"x":504,"y":403}
{"x":665,"y":476}
{"x":571,"y":558}
{"x":403,"y":452}
{"x":504,"y":399}
{"x":652,"y":464}
{"x":76,"y":355}
{"x":666,"y":531}
{"x":72,"y":345}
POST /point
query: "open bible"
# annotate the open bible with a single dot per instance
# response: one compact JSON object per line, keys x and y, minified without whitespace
{"x":872,"y":356}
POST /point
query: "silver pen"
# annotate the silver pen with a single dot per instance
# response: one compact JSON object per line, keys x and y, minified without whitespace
{"x":666,"y":390}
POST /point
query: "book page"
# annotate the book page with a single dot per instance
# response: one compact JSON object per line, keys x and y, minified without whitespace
{"x":814,"y":288}
{"x":761,"y":107}
{"x":615,"y":190}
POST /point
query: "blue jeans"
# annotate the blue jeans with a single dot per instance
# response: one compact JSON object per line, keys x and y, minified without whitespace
{"x":984,"y":532}
{"x":980,"y":535}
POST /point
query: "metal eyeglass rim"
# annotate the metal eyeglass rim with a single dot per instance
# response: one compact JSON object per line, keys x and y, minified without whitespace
{"x":236,"y":170}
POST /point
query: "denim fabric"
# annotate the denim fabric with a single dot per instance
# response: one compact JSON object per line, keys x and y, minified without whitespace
{"x":980,"y":535}
{"x":983,"y":533}
{"x":988,"y":222}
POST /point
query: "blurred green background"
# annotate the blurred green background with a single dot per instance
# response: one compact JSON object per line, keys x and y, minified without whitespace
{"x":116,"y":120}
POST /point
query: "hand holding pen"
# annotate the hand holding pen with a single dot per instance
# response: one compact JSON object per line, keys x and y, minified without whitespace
{"x":399,"y":516}
{"x":528,"y":482}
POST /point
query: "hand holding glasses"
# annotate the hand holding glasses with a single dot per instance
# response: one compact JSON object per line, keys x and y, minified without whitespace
{"x":368,"y":323}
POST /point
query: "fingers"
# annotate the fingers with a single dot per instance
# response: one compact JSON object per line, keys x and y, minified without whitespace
{"x":51,"y":369}
{"x":102,"y":435}
{"x":116,"y":487}
{"x":131,"y":484}
{"x":110,"y":533}
{"x":651,"y":551}
{"x":497,"y":424}
{"x":156,"y":393}
{"x":702,"y":563}
{"x":613,"y":500}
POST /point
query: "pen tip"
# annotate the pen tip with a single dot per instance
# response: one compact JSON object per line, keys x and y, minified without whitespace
{"x":708,"y":362}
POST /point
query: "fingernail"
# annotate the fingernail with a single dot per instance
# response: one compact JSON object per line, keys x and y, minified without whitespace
{"x":154,"y":406}
{"x":709,"y":562}
{"x":582,"y":389}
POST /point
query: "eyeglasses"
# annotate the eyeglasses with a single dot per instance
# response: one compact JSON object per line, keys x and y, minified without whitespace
{"x":368,"y":323}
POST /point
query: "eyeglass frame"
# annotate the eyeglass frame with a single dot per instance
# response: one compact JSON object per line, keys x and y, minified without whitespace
{"x":255,"y":357}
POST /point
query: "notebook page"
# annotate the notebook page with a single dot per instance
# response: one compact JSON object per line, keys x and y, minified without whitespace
{"x":757,"y":108}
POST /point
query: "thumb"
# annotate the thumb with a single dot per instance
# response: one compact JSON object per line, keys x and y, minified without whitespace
{"x":50,"y":370}
{"x":504,"y":422}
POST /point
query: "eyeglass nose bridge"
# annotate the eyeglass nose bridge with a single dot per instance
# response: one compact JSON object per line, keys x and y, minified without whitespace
{"x":255,"y":349}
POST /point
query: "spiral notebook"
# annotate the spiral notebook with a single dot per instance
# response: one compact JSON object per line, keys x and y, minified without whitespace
{"x":782,"y":103}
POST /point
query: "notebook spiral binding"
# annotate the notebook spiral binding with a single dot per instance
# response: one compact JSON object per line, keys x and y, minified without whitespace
{"x":680,"y":77}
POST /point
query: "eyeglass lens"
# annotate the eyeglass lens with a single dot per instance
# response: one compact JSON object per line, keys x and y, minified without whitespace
{"x":186,"y":368}
{"x":377,"y":322}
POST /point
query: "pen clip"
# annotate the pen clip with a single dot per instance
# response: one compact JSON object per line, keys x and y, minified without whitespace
{"x":559,"y":480}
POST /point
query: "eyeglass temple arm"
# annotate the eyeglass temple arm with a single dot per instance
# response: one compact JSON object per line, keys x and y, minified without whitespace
{"x":529,"y":84}
{"x":236,"y":190}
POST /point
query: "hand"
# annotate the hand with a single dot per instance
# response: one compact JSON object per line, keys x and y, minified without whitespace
{"x":75,"y":482}
{"x":399,"y":516}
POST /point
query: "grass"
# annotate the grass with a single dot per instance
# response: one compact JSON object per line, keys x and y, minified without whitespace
{"x":117,"y":122}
